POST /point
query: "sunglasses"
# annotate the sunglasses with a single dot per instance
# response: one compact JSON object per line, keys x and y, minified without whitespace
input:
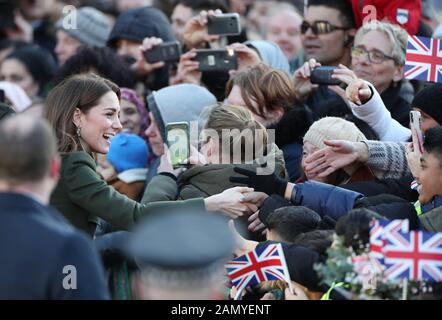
{"x":320,"y":27}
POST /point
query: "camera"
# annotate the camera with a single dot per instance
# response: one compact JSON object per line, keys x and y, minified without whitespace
{"x":168,"y":51}
{"x":227,"y":24}
{"x":216,"y":59}
{"x":323,"y":75}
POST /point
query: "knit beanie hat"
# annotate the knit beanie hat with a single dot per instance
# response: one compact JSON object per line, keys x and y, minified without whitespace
{"x":429,"y":100}
{"x":39,"y":63}
{"x":92,"y":28}
{"x":127,"y":151}
{"x":138,"y":23}
{"x":332,"y":128}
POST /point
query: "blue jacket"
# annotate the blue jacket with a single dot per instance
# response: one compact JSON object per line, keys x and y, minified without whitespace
{"x":36,"y":245}
{"x":325,"y":199}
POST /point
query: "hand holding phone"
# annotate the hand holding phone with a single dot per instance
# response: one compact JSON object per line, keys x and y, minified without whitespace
{"x":224,"y":24}
{"x":416,"y":129}
{"x":323,"y":75}
{"x":167,"y":52}
{"x":216,"y":59}
{"x":178,"y":141}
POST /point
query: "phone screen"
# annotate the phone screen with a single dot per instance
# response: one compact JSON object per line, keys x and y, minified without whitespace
{"x":178,"y":142}
{"x":416,"y":124}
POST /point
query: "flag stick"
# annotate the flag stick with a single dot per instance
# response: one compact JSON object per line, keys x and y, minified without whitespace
{"x":404,"y":288}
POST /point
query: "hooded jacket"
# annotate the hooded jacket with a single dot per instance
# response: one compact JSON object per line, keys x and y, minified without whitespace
{"x":178,"y":103}
{"x":271,"y":54}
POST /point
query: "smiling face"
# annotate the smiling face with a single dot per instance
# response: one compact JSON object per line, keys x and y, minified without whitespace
{"x":329,"y":48}
{"x":430,"y":177}
{"x":130,"y":117}
{"x":284,"y":30}
{"x":380,"y":75}
{"x":99,"y":124}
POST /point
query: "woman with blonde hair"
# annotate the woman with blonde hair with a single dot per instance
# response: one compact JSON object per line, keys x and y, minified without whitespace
{"x":230,"y":137}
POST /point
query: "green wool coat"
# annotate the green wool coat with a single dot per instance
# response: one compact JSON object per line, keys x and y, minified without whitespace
{"x":83,"y":197}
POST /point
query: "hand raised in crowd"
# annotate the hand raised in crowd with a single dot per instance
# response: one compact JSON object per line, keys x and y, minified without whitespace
{"x":269,"y":184}
{"x":255,"y":224}
{"x":301,"y":79}
{"x":195,"y":31}
{"x":23,"y":30}
{"x":246,"y":56}
{"x":166,"y":164}
{"x":188,"y":69}
{"x":358,"y":92}
{"x":231,"y":202}
{"x":298,"y":293}
{"x":413,"y":154}
{"x":242,"y":245}
{"x":337,"y":154}
{"x":258,"y":199}
{"x":141,"y":65}
{"x":346,"y":76}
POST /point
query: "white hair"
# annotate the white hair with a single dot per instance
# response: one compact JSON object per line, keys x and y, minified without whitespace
{"x":397,"y":36}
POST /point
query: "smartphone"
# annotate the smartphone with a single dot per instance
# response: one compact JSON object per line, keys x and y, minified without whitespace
{"x":226,"y":24}
{"x":323,"y":75}
{"x":216,"y":59}
{"x":168,"y":51}
{"x":416,"y":123}
{"x":178,"y":141}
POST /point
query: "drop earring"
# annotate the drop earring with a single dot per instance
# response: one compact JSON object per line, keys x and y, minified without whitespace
{"x":79,"y":132}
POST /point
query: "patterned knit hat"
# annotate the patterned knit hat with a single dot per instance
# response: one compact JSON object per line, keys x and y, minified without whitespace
{"x":332,"y":128}
{"x":92,"y":27}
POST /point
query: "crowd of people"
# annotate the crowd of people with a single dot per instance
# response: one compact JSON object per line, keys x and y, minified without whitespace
{"x":93,"y":205}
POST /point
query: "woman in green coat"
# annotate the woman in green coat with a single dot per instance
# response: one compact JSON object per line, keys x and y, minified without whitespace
{"x":84,"y":112}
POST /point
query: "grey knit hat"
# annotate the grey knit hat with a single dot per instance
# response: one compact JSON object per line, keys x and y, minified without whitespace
{"x":92,"y":28}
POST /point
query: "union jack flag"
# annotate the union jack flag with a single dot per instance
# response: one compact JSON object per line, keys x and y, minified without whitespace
{"x":262,"y":264}
{"x":414,"y":255}
{"x":380,"y":230}
{"x":423,"y":59}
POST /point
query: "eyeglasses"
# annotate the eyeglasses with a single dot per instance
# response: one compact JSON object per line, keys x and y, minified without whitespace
{"x":374,"y":56}
{"x":320,"y":27}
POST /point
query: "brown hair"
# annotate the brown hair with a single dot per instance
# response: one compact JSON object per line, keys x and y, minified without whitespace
{"x":252,"y":134}
{"x":79,"y":91}
{"x":27,"y":146}
{"x":268,"y":87}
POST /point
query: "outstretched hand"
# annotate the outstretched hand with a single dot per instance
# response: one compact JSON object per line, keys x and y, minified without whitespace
{"x":337,"y":154}
{"x":269,"y":184}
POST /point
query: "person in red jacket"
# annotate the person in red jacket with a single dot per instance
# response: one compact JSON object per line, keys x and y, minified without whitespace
{"x":403,"y":12}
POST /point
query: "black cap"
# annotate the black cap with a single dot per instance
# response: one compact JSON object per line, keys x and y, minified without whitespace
{"x":138,"y":23}
{"x":183,"y":246}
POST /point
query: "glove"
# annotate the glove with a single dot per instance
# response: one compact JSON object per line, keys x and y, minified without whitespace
{"x":270,"y":184}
